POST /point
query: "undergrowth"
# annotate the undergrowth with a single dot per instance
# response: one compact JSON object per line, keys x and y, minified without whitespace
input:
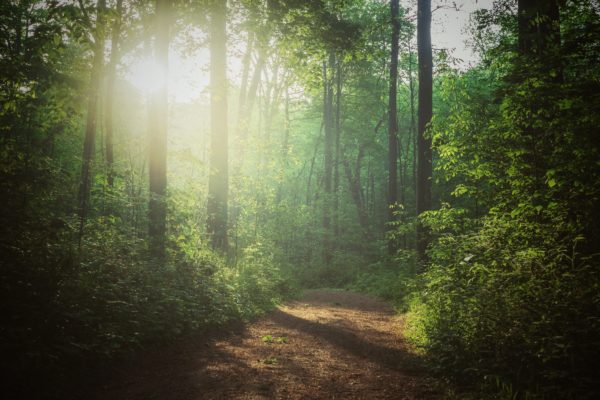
{"x":68,"y":314}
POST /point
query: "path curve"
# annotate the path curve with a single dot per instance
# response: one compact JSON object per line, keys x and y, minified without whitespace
{"x":328,"y":345}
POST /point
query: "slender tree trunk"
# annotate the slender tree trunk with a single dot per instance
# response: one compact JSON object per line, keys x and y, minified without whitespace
{"x":271,"y":100}
{"x":110,"y":90}
{"x":338,"y":134}
{"x":244,"y":84}
{"x":246,"y":117}
{"x":424,"y":159}
{"x":371,"y":184}
{"x":412,"y":140}
{"x":157,"y":158}
{"x":401,"y":162}
{"x":218,"y":186}
{"x":328,"y":157}
{"x":239,"y":144}
{"x":354,"y":186}
{"x":312,"y":166}
{"x":393,"y":125}
{"x":85,"y":181}
{"x":286,"y":129}
{"x":278,"y":94}
{"x":284,"y":145}
{"x":368,"y":192}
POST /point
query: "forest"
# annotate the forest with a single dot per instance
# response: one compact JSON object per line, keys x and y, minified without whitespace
{"x":172,"y":168}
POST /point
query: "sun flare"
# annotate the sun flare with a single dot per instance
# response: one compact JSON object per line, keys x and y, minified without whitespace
{"x":147,"y":76}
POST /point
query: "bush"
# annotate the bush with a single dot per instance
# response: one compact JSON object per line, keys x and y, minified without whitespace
{"x":514,"y":304}
{"x":68,"y":314}
{"x":387,"y":282}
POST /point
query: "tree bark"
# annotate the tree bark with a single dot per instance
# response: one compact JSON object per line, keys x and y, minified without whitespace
{"x":157,"y":158}
{"x":424,"y":159}
{"x":218,"y":185}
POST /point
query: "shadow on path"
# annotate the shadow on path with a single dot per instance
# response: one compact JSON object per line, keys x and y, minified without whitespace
{"x":338,"y":345}
{"x":398,"y":359}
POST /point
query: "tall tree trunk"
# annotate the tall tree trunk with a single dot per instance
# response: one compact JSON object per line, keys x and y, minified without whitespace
{"x":328,"y":156}
{"x":312,"y":166}
{"x":85,"y":181}
{"x":110,"y":90}
{"x":338,"y":135}
{"x":157,"y":158}
{"x":277,"y":97}
{"x":218,"y":185}
{"x":424,"y":159}
{"x":271,"y":100}
{"x":393,"y":124}
{"x":244,"y":84}
{"x":354,"y":186}
{"x":284,"y":146}
{"x":237,"y":159}
{"x":413,"y":137}
{"x":246,"y":117}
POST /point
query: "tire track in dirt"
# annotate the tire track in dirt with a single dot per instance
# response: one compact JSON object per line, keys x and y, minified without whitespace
{"x":328,"y":345}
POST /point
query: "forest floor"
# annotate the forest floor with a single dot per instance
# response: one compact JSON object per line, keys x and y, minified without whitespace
{"x":327,"y":345}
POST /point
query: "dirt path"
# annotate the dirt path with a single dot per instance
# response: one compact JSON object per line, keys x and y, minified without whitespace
{"x":329,"y":345}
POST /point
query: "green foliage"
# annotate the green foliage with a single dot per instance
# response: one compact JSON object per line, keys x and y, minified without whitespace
{"x":387,"y":282}
{"x":116,"y":299}
{"x":258,"y":283}
{"x":271,"y":361}
{"x":510,"y":298}
{"x":272,"y":339}
{"x":491,"y":302}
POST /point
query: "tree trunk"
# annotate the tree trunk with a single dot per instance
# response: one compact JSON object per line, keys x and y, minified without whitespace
{"x":328,"y":157}
{"x":393,"y":125}
{"x":92,"y":117}
{"x":338,"y":135}
{"x":110,"y":89}
{"x":312,"y":166}
{"x":271,"y":101}
{"x":284,"y":146}
{"x":424,"y":159}
{"x":246,"y":116}
{"x":413,"y":137}
{"x":356,"y":192}
{"x":244,"y":84}
{"x":157,"y":158}
{"x":218,"y":181}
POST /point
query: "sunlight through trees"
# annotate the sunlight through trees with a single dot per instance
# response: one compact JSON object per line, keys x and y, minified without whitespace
{"x":172,"y":166}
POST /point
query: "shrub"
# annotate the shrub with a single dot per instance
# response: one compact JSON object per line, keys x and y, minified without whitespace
{"x":513,"y":303}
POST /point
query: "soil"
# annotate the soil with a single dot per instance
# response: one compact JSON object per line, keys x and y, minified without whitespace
{"x":327,"y":345}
